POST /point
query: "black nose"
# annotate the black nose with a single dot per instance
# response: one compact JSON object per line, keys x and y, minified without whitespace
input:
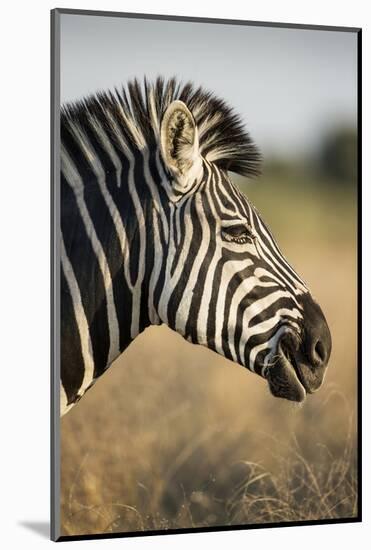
{"x":317,"y":338}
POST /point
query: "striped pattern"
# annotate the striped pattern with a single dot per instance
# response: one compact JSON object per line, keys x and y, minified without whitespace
{"x":134,"y":253}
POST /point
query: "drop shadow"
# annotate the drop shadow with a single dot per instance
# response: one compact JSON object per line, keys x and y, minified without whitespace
{"x":41,"y":528}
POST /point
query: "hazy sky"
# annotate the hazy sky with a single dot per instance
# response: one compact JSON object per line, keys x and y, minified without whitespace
{"x":289,"y":85}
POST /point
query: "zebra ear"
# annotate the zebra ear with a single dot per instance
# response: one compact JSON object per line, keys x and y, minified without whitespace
{"x":180,"y":146}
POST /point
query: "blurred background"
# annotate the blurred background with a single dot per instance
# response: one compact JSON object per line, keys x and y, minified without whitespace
{"x":173,"y":435}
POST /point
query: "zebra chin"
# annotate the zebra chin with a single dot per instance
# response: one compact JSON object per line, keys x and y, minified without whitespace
{"x":284,"y":378}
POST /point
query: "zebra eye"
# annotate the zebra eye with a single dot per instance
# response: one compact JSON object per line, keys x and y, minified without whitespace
{"x":241,"y":233}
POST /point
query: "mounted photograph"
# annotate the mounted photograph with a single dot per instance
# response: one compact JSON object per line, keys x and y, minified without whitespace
{"x":205,"y":322}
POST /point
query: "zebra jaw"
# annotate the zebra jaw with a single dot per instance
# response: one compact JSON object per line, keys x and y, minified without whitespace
{"x":284,"y":377}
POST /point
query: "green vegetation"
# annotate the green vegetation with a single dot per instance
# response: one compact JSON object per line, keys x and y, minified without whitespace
{"x":338,"y":156}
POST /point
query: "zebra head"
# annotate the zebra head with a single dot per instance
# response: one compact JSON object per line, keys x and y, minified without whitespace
{"x":226,"y":284}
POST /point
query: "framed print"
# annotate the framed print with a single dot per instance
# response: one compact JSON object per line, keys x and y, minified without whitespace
{"x":205,"y":281}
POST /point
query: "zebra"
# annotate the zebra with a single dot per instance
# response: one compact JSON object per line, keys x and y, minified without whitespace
{"x":153,"y":231}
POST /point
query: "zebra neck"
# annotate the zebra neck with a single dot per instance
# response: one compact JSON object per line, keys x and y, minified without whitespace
{"x":107,"y":262}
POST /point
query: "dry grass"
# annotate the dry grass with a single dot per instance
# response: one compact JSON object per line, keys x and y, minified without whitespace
{"x":174,"y":436}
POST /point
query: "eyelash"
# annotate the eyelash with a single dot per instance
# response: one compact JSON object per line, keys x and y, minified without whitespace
{"x":240,"y":234}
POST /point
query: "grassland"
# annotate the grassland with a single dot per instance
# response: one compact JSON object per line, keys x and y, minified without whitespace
{"x":174,"y":436}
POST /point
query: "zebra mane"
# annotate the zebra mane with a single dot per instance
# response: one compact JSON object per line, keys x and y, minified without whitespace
{"x":137,"y":110}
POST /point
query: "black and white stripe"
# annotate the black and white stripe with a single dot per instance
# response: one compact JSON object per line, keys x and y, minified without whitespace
{"x":145,"y":240}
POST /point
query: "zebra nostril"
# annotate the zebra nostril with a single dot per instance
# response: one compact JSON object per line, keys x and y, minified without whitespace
{"x":319,"y":354}
{"x":317,"y":337}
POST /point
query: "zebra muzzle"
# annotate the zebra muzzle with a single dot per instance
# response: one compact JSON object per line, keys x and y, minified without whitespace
{"x":301,"y":363}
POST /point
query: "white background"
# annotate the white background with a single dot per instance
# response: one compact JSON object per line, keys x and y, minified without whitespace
{"x":24,"y":302}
